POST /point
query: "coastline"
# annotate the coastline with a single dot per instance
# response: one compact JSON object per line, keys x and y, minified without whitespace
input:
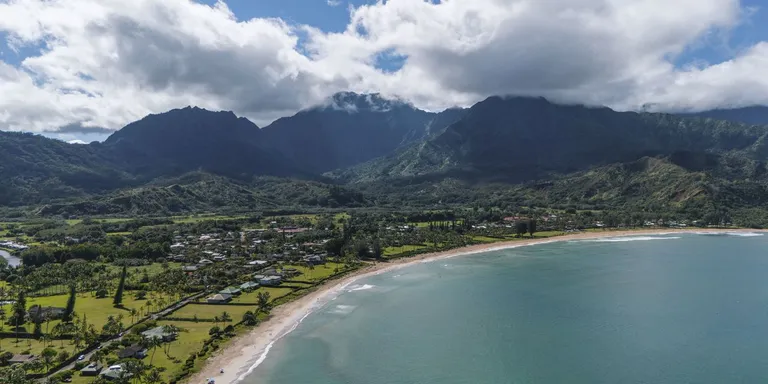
{"x":245,"y":353}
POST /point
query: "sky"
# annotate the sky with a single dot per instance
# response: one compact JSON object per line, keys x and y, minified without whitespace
{"x":80,"y":69}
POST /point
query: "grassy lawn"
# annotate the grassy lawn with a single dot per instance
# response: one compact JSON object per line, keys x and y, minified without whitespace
{"x":197,"y":219}
{"x":252,"y":297}
{"x":189,"y":341}
{"x":204,"y":311}
{"x":34,"y":346}
{"x":119,"y":233}
{"x":391,"y":251}
{"x":96,"y":310}
{"x":319,"y":272}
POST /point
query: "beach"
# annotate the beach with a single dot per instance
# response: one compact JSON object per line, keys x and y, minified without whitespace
{"x":243,"y":354}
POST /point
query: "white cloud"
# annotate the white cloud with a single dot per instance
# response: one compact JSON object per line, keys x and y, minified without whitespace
{"x":107,"y":62}
{"x":334,"y":3}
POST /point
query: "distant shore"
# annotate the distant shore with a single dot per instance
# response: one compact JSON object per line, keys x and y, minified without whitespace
{"x":243,"y":354}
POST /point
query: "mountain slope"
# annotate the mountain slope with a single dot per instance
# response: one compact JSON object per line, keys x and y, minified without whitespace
{"x":756,"y":115}
{"x":519,"y":139}
{"x":352,"y":129}
{"x":189,"y":139}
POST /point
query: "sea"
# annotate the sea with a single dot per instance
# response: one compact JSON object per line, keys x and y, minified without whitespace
{"x":690,"y":308}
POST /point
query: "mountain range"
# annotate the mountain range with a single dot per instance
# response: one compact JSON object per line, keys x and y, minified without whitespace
{"x":365,"y":150}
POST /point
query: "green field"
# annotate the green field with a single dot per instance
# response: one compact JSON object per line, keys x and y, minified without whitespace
{"x":206,"y":311}
{"x":391,"y":251}
{"x":319,"y":272}
{"x":252,"y":297}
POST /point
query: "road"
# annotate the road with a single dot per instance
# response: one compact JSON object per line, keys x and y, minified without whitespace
{"x":117,"y":339}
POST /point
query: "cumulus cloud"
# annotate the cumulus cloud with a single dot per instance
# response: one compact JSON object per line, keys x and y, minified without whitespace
{"x":104,"y":63}
{"x":334,"y":3}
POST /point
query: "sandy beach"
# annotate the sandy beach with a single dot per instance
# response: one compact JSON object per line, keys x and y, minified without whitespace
{"x":243,"y":354}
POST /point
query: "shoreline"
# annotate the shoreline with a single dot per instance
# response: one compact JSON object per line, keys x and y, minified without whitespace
{"x":245,"y":353}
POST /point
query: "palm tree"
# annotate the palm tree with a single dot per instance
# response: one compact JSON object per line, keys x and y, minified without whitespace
{"x":48,"y":355}
{"x":153,"y":344}
{"x":249,"y":318}
{"x":2,"y":321}
{"x":263,"y":301}
{"x":225,"y":317}
{"x":154,"y":377}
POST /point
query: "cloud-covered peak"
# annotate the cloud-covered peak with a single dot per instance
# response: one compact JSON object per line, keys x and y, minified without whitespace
{"x":100,"y":64}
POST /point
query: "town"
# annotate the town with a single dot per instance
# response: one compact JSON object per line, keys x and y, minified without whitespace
{"x":119,"y":299}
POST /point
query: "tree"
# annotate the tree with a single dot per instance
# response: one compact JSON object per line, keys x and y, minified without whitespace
{"x":62,"y":356}
{"x":376,"y":248}
{"x":154,"y":377}
{"x":14,"y":375}
{"x":101,"y":292}
{"x":263,"y":301}
{"x":70,"y":309}
{"x":214,"y":331}
{"x":2,"y":325}
{"x":153,"y":343}
{"x":49,"y":356}
{"x":249,"y":318}
{"x":118,"y":301}
{"x":225,"y":317}
{"x":521,"y":228}
{"x":19,"y":311}
{"x":531,"y":227}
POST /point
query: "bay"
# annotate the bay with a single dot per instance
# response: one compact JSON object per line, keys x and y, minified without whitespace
{"x":653,"y":309}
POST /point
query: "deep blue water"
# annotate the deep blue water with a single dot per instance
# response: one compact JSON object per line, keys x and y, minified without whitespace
{"x":667,"y":309}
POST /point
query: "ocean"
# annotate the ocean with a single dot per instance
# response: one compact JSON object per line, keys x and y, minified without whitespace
{"x":644,"y":309}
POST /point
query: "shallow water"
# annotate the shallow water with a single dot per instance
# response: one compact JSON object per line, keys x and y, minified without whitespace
{"x":12,"y":260}
{"x":648,"y":309}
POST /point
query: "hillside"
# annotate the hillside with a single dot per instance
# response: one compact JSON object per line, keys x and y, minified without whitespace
{"x":757,"y":115}
{"x":352,"y":129}
{"x":519,"y":139}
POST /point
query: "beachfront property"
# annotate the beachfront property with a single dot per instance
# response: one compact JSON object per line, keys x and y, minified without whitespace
{"x":115,"y":372}
{"x":22,"y":359}
{"x":219,"y":299}
{"x":92,"y":369}
{"x":159,"y":333}
{"x":249,"y":286}
{"x":232,"y":291}
{"x":133,"y":352}
{"x":269,"y":281}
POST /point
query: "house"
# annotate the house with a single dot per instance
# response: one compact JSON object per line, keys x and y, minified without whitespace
{"x":205,"y":262}
{"x":271,"y":281}
{"x":93,"y":369}
{"x":133,"y":352}
{"x":249,"y":286}
{"x":219,"y":257}
{"x":159,"y":333}
{"x":219,"y":299}
{"x":316,"y":259}
{"x":115,"y":372}
{"x":232,"y":291}
{"x":39,"y":312}
{"x":190,"y":268}
{"x":258,"y":263}
{"x":21,"y":359}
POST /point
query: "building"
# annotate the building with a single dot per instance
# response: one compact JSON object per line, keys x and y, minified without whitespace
{"x":133,"y":352}
{"x":249,"y":286}
{"x":93,"y":369}
{"x":22,"y":359}
{"x":258,"y":263}
{"x":38,"y":312}
{"x":159,"y":333}
{"x":190,"y":268}
{"x":115,"y":372}
{"x":232,"y":291}
{"x":271,"y":281}
{"x":219,"y":299}
{"x":205,"y":262}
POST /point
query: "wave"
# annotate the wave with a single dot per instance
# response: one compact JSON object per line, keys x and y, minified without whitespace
{"x":342,"y":309}
{"x":737,"y":234}
{"x":363,"y":287}
{"x":629,"y":238}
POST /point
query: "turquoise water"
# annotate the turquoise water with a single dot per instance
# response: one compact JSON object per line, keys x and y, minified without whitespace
{"x":659,"y":309}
